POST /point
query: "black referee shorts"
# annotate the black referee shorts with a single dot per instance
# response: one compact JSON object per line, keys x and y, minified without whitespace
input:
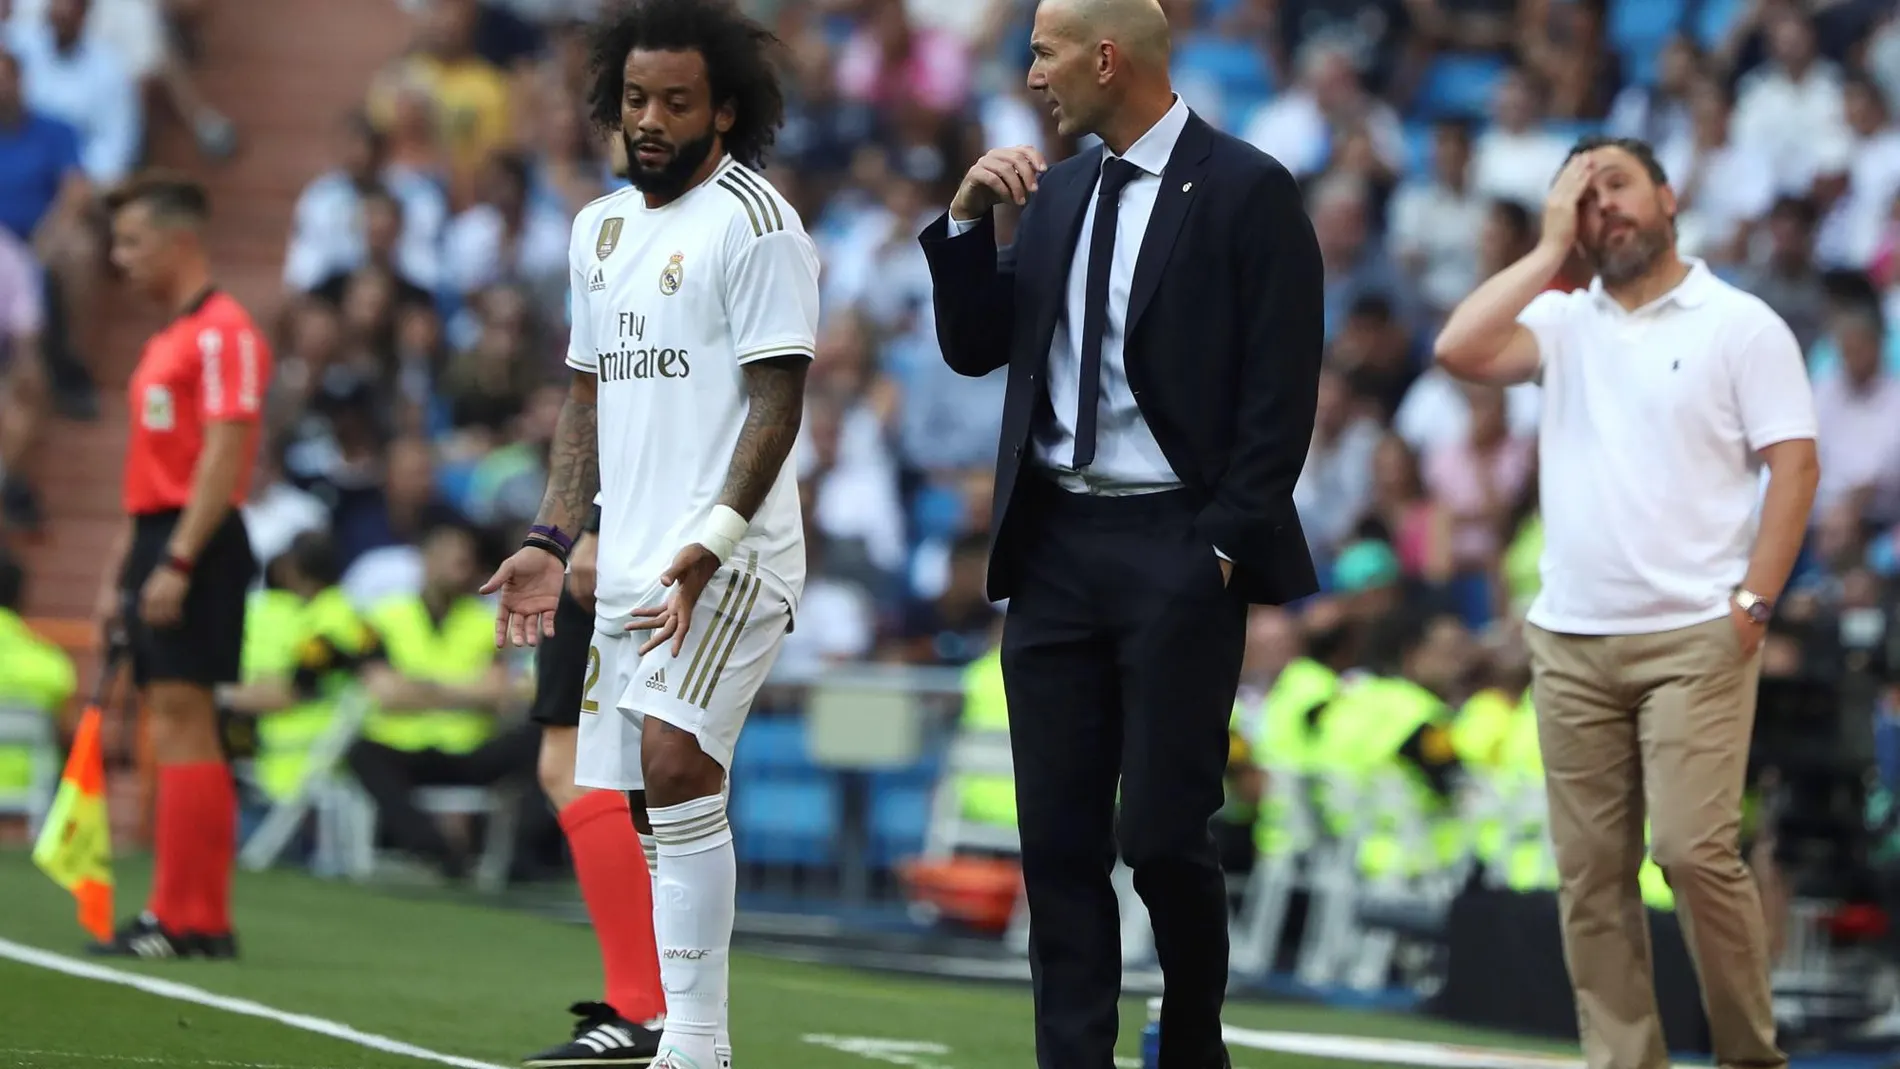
{"x":560,"y":666}
{"x":207,"y":645}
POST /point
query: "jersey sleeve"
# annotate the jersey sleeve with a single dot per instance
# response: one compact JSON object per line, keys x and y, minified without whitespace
{"x":235,"y":371}
{"x":580,"y":339}
{"x":772,"y":294}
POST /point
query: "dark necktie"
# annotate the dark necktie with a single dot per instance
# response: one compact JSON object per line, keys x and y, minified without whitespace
{"x":1116,"y":173}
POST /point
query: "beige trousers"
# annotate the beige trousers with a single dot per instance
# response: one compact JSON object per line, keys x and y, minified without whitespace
{"x":1656,"y":724}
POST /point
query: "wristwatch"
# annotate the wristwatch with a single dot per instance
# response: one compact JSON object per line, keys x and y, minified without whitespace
{"x":1758,"y":608}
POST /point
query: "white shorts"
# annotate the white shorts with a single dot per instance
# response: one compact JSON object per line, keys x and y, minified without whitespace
{"x":738,"y":626}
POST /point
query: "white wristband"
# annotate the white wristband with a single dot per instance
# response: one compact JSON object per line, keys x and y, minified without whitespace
{"x":723,"y":530}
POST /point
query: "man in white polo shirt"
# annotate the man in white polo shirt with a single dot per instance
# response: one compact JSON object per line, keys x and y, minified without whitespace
{"x":1666,"y":391}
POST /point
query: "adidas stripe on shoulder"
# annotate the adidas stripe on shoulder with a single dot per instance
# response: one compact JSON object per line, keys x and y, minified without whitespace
{"x":760,"y":203}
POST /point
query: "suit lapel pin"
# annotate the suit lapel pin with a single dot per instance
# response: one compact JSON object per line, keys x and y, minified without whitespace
{"x":1185,"y":186}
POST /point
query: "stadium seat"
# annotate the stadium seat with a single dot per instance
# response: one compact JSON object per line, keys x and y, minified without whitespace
{"x":769,"y":747}
{"x":1712,"y":20}
{"x":1418,"y":148}
{"x":786,"y":821}
{"x":1637,"y":26}
{"x":1238,"y":67}
{"x":1459,"y":85}
{"x":900,"y":816}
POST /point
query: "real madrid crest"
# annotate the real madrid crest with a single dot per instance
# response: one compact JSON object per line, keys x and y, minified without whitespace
{"x":671,"y":277}
{"x":609,"y":238}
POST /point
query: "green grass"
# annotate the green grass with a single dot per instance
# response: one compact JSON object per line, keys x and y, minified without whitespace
{"x":462,"y":978}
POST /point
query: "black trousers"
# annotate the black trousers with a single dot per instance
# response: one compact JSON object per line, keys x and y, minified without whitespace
{"x":1121,"y":655}
{"x":390,"y":777}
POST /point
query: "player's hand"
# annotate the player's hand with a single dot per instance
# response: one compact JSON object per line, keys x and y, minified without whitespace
{"x":672,"y":619}
{"x":530,"y":586}
{"x":162,"y":599}
{"x":1565,"y":200}
{"x":1003,"y":174}
{"x":581,"y":570}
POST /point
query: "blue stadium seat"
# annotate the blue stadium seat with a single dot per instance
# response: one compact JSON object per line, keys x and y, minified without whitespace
{"x":1639,"y":26}
{"x":1713,"y":19}
{"x":900,"y":815}
{"x":1418,"y":148}
{"x":771,"y":746}
{"x":1238,"y":67}
{"x":786,"y":821}
{"x":1459,"y":85}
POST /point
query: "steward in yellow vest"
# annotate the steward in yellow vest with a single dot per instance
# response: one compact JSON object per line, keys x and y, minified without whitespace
{"x":1395,"y":721}
{"x":986,"y":799}
{"x":438,"y":688}
{"x":1283,"y":733}
{"x":35,"y":676}
{"x":304,"y":643}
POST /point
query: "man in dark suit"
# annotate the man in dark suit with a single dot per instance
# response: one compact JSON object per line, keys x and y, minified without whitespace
{"x":1160,"y":313}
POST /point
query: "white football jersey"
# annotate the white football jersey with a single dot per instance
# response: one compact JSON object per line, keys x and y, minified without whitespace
{"x":669,"y":304}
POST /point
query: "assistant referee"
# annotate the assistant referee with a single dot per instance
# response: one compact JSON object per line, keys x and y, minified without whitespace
{"x":178,"y":577}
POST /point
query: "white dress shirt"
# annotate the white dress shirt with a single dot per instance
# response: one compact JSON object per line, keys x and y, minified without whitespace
{"x":1127,"y":458}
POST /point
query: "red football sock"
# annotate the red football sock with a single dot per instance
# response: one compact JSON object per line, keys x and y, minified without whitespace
{"x":196,"y":843}
{"x":619,"y":896}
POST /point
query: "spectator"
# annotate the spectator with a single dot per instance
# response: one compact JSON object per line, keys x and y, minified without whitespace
{"x":1790,"y":111}
{"x":1566,"y":48}
{"x":334,"y":230}
{"x":82,"y":82}
{"x":954,"y":627}
{"x":1356,"y":264}
{"x":22,"y":383}
{"x":142,"y":34}
{"x":892,"y":65}
{"x":1659,"y":113}
{"x":468,"y":96}
{"x":1857,"y":410}
{"x":39,"y":160}
{"x":1335,"y":487}
{"x":379,"y":525}
{"x":1516,"y":158}
{"x":1722,"y":188}
{"x":1788,"y":278}
{"x":1298,"y":126}
{"x":1478,"y":480}
{"x":1433,"y":219}
{"x":1861,"y":197}
{"x":1418,"y":528}
{"x":508,"y":237}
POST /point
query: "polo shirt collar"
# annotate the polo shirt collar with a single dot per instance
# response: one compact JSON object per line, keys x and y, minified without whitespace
{"x":1691,"y":292}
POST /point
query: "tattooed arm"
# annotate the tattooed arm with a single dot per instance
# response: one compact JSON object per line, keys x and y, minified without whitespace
{"x":775,"y":395}
{"x":573,"y":459}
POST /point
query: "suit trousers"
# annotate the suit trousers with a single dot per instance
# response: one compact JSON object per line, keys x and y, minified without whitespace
{"x":1658,"y":724}
{"x":1121,"y":654}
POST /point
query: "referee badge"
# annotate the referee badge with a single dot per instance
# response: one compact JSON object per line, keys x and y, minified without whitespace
{"x":671,"y":277}
{"x":609,"y":238}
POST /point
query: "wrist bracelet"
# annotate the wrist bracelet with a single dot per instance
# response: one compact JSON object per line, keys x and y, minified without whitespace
{"x":723,"y":530}
{"x":177,"y":564}
{"x":546,"y":545}
{"x":554,"y":535}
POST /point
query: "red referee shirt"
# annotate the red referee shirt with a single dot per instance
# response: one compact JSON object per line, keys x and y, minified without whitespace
{"x":208,"y":365}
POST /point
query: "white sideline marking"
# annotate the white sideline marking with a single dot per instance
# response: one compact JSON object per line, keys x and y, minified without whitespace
{"x":171,"y":989}
{"x":11,"y":1056}
{"x":1395,"y":1051}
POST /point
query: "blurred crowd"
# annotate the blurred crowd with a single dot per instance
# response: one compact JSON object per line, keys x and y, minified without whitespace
{"x":421,"y":334}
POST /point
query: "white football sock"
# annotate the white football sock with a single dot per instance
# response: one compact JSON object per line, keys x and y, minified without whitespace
{"x":651,"y":847}
{"x":693,"y":905}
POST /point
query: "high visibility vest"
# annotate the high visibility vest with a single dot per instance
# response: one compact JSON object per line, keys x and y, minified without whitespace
{"x":34,"y":674}
{"x":986,"y":799}
{"x":283,"y":635}
{"x":461,"y":650}
{"x":1360,"y":736}
{"x":1282,"y":744}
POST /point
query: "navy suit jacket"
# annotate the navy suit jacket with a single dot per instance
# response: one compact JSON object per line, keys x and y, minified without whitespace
{"x":1226,"y":323}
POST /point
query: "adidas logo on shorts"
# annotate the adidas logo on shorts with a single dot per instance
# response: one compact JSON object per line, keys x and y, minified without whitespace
{"x":657,"y":681}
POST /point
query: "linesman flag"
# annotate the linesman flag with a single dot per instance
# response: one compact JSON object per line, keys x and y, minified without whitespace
{"x":75,"y":845}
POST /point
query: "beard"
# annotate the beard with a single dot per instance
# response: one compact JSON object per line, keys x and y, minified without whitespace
{"x":1629,"y":261}
{"x":669,"y":179}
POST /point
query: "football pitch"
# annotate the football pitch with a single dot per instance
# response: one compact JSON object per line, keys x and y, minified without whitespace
{"x":340,"y":977}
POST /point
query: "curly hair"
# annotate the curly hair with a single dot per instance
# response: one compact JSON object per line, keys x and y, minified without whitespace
{"x":739,"y":64}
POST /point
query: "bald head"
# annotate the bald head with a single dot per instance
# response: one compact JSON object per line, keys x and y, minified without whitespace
{"x":1137,"y":28}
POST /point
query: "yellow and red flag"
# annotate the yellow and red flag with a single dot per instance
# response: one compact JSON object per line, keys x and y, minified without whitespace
{"x":75,"y":846}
